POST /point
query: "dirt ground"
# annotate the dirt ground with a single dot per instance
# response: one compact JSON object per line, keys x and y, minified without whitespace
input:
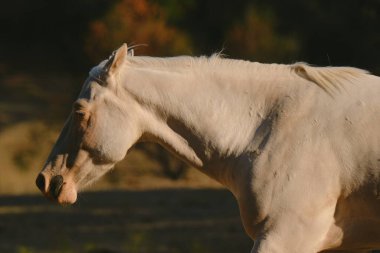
{"x":128,"y":221}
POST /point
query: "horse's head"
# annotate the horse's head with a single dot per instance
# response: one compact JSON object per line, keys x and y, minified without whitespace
{"x":99,"y":131}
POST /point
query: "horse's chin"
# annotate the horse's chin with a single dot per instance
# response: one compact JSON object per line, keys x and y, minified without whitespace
{"x":68,"y":194}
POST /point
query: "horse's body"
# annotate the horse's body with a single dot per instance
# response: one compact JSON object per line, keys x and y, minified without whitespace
{"x":298,"y":146}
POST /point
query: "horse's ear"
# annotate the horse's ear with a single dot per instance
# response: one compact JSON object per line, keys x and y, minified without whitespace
{"x":116,"y":59}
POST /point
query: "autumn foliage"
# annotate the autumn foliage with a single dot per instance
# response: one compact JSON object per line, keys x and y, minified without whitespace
{"x":137,"y":22}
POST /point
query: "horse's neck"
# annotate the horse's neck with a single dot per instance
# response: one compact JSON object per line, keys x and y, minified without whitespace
{"x":203,"y":117}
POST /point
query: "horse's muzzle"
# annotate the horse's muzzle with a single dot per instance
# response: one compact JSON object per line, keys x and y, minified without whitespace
{"x":56,"y":184}
{"x":57,"y":188}
{"x":41,"y":182}
{"x":53,"y":189}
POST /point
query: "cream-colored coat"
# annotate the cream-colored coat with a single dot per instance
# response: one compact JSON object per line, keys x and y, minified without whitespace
{"x":298,"y":146}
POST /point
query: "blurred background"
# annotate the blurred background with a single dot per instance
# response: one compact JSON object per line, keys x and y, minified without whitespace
{"x":151,"y":202}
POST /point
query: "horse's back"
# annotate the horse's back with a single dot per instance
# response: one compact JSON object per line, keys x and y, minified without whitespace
{"x":357,"y":212}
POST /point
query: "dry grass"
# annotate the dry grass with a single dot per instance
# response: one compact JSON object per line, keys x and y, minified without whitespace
{"x":25,"y":146}
{"x":147,"y":213}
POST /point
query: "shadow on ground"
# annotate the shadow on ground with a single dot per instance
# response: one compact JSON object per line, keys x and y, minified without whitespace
{"x":179,"y":220}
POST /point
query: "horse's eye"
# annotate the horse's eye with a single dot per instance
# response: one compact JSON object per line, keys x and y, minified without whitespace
{"x":81,"y":118}
{"x":80,"y":109}
{"x":80,"y":114}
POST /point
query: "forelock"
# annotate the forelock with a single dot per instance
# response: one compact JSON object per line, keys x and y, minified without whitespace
{"x":98,"y":74}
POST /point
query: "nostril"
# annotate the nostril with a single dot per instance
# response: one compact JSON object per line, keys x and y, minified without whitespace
{"x":56,"y":185}
{"x":40,"y":182}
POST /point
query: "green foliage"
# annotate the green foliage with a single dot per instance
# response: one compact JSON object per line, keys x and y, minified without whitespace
{"x":138,"y":242}
{"x":198,"y":247}
{"x":23,"y":249}
{"x":255,"y":37}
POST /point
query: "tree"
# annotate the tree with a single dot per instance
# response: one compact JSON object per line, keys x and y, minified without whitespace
{"x":134,"y":22}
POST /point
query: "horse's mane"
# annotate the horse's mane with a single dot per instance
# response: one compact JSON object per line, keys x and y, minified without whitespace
{"x":330,"y":79}
{"x":327,"y":78}
{"x":205,"y":63}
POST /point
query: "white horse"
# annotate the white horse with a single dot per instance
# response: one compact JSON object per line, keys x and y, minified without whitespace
{"x":298,"y":146}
